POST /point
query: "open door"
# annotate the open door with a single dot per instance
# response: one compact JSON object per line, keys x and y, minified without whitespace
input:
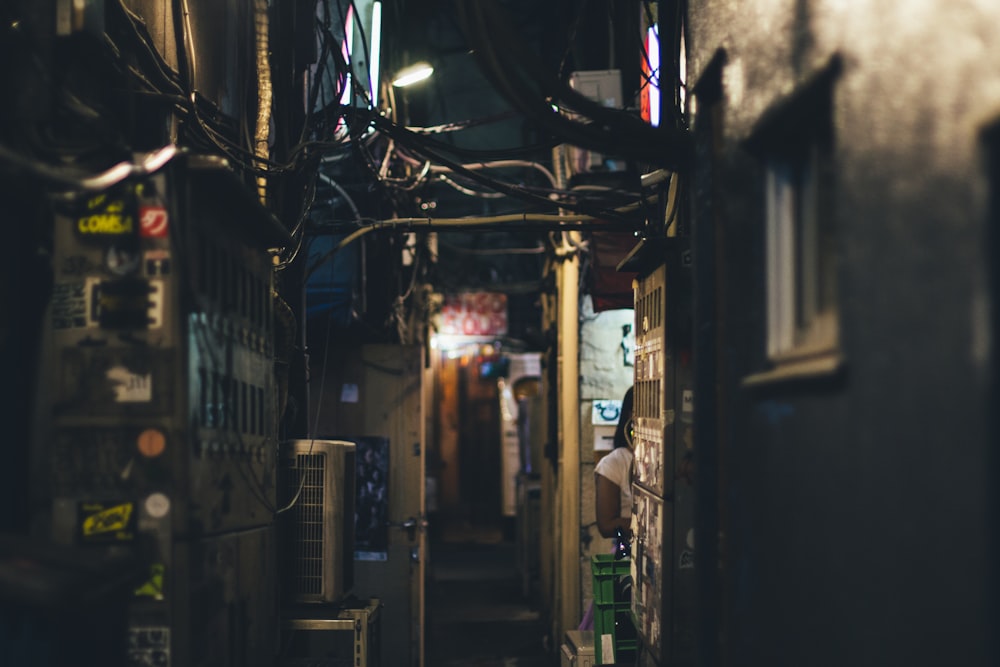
{"x":378,"y":397}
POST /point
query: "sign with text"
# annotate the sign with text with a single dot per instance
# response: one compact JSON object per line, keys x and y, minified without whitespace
{"x":474,"y":314}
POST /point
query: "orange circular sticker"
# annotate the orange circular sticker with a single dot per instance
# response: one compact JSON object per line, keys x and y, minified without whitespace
{"x":151,"y":442}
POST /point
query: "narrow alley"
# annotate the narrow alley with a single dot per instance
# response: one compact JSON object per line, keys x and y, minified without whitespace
{"x":477,"y":612}
{"x":500,"y":333}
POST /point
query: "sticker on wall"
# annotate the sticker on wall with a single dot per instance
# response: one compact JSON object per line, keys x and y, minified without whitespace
{"x":105,"y":522}
{"x":151,"y":443}
{"x":122,"y":259}
{"x":153,"y":222}
{"x":686,"y":560}
{"x":77,"y":265}
{"x":69,"y":306}
{"x":127,"y":303}
{"x":349,"y":393}
{"x":153,"y":586}
{"x":130,"y":387}
{"x":156,"y":263}
{"x":607,"y":649}
{"x":105,"y":217}
{"x":605,"y":411}
{"x":687,"y":405}
{"x":149,"y":645}
{"x":604,"y":438}
{"x":157,"y":505}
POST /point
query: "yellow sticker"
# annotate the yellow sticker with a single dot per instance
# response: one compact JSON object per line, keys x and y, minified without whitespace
{"x":107,"y":520}
{"x":106,"y":217}
{"x":105,"y":224}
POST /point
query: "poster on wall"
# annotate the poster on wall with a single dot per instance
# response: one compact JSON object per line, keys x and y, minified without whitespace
{"x":371,"y":514}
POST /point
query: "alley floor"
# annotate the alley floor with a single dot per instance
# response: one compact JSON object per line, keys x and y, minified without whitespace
{"x":477,"y":614}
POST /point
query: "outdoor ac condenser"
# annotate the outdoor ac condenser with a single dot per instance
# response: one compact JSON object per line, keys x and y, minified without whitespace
{"x":318,"y":487}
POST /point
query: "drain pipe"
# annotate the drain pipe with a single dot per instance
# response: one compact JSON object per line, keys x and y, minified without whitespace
{"x":567,"y":281}
{"x":568,"y":360}
{"x":264,"y":92}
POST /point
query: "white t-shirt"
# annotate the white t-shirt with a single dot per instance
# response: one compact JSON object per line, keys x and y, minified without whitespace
{"x":617,"y":467}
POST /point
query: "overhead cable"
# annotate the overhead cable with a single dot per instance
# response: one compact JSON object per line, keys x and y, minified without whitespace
{"x":532,"y":221}
{"x":403,"y":136}
{"x":75,"y":180}
{"x":532,"y":90}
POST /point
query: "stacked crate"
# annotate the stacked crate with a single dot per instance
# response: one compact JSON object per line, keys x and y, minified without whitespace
{"x":614,"y":632}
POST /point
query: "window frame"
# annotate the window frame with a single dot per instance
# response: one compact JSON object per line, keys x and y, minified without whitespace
{"x":794,"y":144}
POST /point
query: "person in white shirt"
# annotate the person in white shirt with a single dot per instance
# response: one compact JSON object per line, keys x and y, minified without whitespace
{"x":613,"y":490}
{"x":613,"y":478}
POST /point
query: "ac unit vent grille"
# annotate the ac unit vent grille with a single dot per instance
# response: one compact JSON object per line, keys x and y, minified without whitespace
{"x":317,"y":529}
{"x":309,"y":470}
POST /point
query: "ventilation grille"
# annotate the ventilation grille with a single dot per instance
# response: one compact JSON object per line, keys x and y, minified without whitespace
{"x":317,"y":531}
{"x":309,"y":535}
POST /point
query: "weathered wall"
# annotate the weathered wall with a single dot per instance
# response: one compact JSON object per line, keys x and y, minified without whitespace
{"x":856,"y":510}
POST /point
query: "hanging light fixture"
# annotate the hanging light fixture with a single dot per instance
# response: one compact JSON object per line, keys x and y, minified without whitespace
{"x":412,"y":74}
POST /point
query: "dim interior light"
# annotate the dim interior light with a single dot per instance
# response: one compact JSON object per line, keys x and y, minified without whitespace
{"x":412,"y":74}
{"x":454,"y":346}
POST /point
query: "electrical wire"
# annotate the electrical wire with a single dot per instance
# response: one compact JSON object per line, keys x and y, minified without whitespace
{"x":459,"y":125}
{"x":75,"y":180}
{"x":500,"y":164}
{"x":468,"y":191}
{"x":538,"y":250}
{"x":343,"y":193}
{"x":532,"y":90}
{"x":315,"y":424}
{"x":551,"y":193}
{"x":188,"y":67}
{"x":401,"y":135}
{"x":571,"y":37}
{"x":536,"y":220}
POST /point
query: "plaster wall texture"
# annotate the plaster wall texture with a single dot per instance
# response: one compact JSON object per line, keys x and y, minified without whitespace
{"x":840,"y":515}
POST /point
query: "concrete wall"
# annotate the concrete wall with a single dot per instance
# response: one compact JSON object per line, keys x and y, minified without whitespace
{"x":855,"y":512}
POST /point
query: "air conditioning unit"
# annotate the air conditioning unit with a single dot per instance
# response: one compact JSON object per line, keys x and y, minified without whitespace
{"x":318,"y":487}
{"x":605,"y":88}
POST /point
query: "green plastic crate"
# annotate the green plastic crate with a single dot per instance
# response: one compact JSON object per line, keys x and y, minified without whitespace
{"x":624,"y":641}
{"x":607,"y":571}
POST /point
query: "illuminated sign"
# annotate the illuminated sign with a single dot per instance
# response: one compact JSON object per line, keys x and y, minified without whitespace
{"x":649,"y":106}
{"x":474,"y":314}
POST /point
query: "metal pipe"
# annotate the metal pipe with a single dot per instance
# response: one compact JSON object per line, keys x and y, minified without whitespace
{"x":262,"y":130}
{"x":568,"y":277}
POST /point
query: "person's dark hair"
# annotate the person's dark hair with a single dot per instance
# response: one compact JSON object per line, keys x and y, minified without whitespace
{"x":622,"y":438}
